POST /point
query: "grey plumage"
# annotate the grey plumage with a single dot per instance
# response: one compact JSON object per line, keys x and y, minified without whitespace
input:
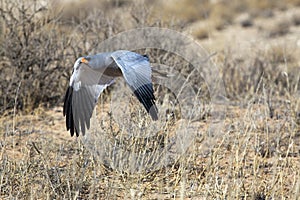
{"x":92,"y":74}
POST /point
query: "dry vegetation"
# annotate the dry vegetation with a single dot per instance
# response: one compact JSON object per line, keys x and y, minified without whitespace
{"x":255,"y":154}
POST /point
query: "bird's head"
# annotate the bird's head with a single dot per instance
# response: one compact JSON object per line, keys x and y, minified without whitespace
{"x":81,"y":60}
{"x":85,"y":59}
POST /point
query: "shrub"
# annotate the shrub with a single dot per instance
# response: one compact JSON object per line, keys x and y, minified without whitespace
{"x":34,"y":50}
{"x":39,"y":46}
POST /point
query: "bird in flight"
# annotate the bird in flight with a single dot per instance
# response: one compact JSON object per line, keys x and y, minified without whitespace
{"x":92,"y":74}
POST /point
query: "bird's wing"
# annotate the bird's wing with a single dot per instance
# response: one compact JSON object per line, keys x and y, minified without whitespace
{"x":136,"y":70}
{"x":86,"y":85}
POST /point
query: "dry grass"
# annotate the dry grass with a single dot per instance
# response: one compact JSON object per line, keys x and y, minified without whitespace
{"x":257,"y":156}
{"x":254,"y":154}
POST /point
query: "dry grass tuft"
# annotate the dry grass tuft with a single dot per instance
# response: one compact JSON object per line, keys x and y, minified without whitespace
{"x":193,"y":9}
{"x":222,"y":15}
{"x":201,"y":33}
{"x":296,"y":19}
{"x":279,"y":28}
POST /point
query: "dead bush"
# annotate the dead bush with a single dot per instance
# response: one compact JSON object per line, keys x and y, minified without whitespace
{"x":34,"y":51}
{"x":39,"y":48}
{"x":244,"y":78}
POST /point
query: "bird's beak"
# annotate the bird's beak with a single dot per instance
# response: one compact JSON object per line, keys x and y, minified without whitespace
{"x":84,"y":60}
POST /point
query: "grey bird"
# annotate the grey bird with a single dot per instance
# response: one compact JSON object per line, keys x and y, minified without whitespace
{"x":92,"y":74}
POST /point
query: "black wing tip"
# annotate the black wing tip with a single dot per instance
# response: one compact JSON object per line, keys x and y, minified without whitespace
{"x":67,"y":111}
{"x":66,"y":100}
{"x":146,"y":56}
{"x":153,"y":112}
{"x":148,"y":100}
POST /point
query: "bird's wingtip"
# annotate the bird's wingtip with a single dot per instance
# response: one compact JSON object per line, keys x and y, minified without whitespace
{"x":154,"y":112}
